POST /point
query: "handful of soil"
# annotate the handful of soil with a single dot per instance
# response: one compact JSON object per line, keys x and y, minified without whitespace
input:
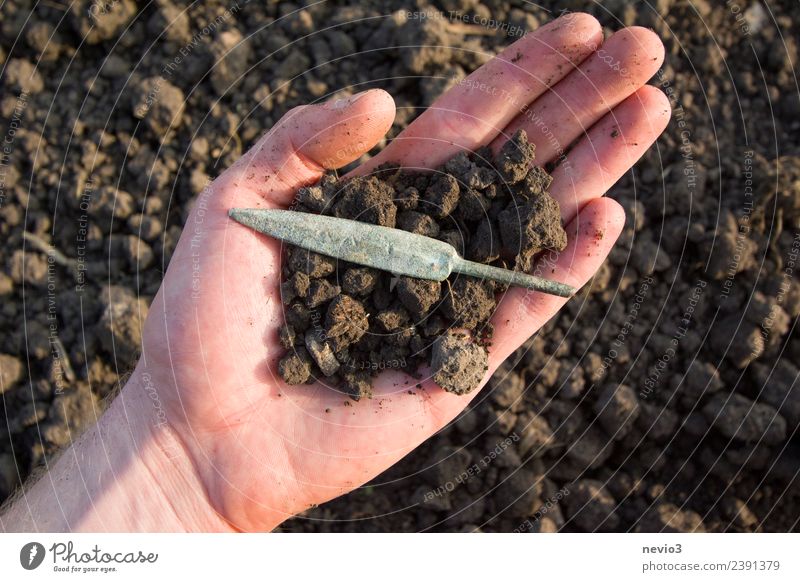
{"x":346,"y":323}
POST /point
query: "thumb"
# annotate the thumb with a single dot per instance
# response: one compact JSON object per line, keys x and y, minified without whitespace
{"x":309,"y":140}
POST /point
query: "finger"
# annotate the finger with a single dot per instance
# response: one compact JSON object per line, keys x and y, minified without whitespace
{"x":609,"y":150}
{"x":592,"y":234}
{"x":474,"y":110}
{"x":308,"y":140}
{"x":295,"y":152}
{"x":625,"y":62}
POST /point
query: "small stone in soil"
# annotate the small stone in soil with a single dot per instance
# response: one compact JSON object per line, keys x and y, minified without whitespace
{"x":311,"y":264}
{"x":515,"y":157}
{"x":485,"y":245}
{"x":469,"y":302}
{"x":418,"y":295}
{"x":359,"y":281}
{"x":458,"y":364}
{"x":295,"y":367}
{"x":322,"y":354}
{"x":294,"y":287}
{"x":441,"y":196}
{"x":532,"y":228}
{"x":346,"y":319}
{"x":313,"y":198}
{"x":418,"y":223}
{"x":367,"y":200}
{"x":298,"y":316}
{"x":286,"y":336}
{"x":392,"y":319}
{"x":356,"y":384}
{"x":321,"y":291}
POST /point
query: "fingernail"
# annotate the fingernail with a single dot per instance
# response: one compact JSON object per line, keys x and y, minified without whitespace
{"x":345,"y":102}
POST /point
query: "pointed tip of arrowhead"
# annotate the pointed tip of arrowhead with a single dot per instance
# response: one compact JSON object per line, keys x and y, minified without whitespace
{"x":238,"y":214}
{"x":264,"y":221}
{"x":241,"y":215}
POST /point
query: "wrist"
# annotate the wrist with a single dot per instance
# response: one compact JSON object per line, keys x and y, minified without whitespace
{"x":197,"y":459}
{"x":128,"y":473}
{"x":160,"y":483}
{"x":200,"y":454}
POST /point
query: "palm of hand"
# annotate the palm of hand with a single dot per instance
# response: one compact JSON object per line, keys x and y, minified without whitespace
{"x":264,"y":450}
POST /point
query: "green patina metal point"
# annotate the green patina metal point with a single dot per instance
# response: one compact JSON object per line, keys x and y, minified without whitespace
{"x":388,"y":249}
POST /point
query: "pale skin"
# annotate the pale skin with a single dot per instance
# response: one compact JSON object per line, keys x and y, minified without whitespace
{"x":205,"y":436}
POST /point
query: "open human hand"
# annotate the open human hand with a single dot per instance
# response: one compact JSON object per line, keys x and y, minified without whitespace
{"x":264,"y":451}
